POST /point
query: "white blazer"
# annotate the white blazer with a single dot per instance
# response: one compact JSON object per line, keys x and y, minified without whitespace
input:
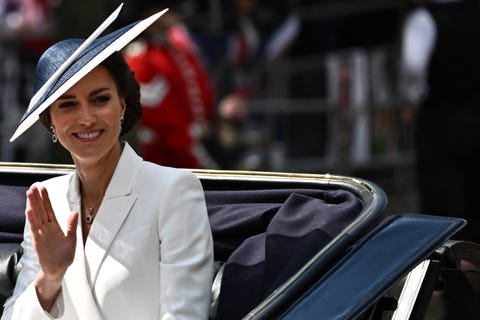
{"x":149,"y":253}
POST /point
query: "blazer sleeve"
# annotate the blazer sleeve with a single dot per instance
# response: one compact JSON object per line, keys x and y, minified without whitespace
{"x":24,"y":304}
{"x":186,"y":259}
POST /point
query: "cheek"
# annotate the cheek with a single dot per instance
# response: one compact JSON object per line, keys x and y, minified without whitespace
{"x":59,"y":122}
{"x":112,"y":116}
{"x":109,"y":118}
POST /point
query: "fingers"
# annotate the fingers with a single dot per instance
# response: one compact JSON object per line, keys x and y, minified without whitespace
{"x":72,"y":224}
{"x":35,"y":212}
{"x":41,"y":216}
{"x":40,"y":209}
{"x":47,"y":205}
{"x":32,"y":219}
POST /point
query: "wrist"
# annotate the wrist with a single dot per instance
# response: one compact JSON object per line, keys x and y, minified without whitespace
{"x":47,"y":289}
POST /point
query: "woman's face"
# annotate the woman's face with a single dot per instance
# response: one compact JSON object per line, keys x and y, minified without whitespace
{"x":87,"y":117}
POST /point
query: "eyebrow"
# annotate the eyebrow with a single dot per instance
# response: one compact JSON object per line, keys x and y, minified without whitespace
{"x":94,"y":92}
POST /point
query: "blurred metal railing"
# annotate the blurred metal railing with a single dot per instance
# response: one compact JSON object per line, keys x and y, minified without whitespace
{"x":306,"y":135}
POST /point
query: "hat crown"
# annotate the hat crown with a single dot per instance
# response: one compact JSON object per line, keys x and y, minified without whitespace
{"x":52,"y":59}
{"x":57,"y":54}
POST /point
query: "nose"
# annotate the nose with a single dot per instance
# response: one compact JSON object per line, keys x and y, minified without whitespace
{"x":87,"y":115}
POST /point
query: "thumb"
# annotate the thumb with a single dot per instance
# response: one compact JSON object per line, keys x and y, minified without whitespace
{"x":72,"y":224}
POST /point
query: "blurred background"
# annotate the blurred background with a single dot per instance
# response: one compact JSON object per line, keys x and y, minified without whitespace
{"x":317,"y":81}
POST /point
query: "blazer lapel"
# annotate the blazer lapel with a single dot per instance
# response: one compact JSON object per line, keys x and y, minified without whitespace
{"x":76,"y":282}
{"x":113,"y":211}
{"x":77,"y":285}
{"x":104,"y":230}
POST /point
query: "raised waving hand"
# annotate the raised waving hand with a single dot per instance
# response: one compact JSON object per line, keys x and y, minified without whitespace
{"x":55,"y":250}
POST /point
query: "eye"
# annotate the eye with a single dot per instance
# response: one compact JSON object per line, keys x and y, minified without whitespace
{"x":66,"y":104}
{"x":101,"y":99}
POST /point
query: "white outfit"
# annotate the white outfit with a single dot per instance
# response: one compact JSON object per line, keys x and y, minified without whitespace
{"x":149,"y":253}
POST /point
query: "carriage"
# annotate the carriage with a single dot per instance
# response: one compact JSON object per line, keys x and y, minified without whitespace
{"x":297,"y":246}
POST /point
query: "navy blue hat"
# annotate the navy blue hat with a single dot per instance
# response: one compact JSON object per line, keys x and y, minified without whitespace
{"x":66,"y":62}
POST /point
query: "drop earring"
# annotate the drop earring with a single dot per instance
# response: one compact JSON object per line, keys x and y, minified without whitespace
{"x":121,"y":123}
{"x":54,"y":134}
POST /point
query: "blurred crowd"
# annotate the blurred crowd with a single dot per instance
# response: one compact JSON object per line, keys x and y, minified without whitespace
{"x":216,"y":74}
{"x":218,"y":84}
{"x":198,"y":68}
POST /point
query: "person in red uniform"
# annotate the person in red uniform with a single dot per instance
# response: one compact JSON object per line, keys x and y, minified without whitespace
{"x":177,"y":95}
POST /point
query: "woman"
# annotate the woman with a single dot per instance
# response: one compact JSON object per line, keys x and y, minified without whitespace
{"x":120,"y":238}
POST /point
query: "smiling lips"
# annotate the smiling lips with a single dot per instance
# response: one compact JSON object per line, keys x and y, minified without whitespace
{"x":88,"y":135}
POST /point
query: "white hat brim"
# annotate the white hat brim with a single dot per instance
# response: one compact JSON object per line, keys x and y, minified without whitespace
{"x":116,"y":45}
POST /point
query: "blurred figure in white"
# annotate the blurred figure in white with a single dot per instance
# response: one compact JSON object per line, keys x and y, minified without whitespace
{"x":440,"y":66}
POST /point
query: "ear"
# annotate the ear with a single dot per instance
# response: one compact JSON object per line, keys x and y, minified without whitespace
{"x":123,"y":106}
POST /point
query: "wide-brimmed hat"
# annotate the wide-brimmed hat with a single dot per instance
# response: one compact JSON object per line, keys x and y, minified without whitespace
{"x":66,"y":62}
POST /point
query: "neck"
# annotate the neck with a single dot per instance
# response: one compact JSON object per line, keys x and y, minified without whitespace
{"x":96,"y":175}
